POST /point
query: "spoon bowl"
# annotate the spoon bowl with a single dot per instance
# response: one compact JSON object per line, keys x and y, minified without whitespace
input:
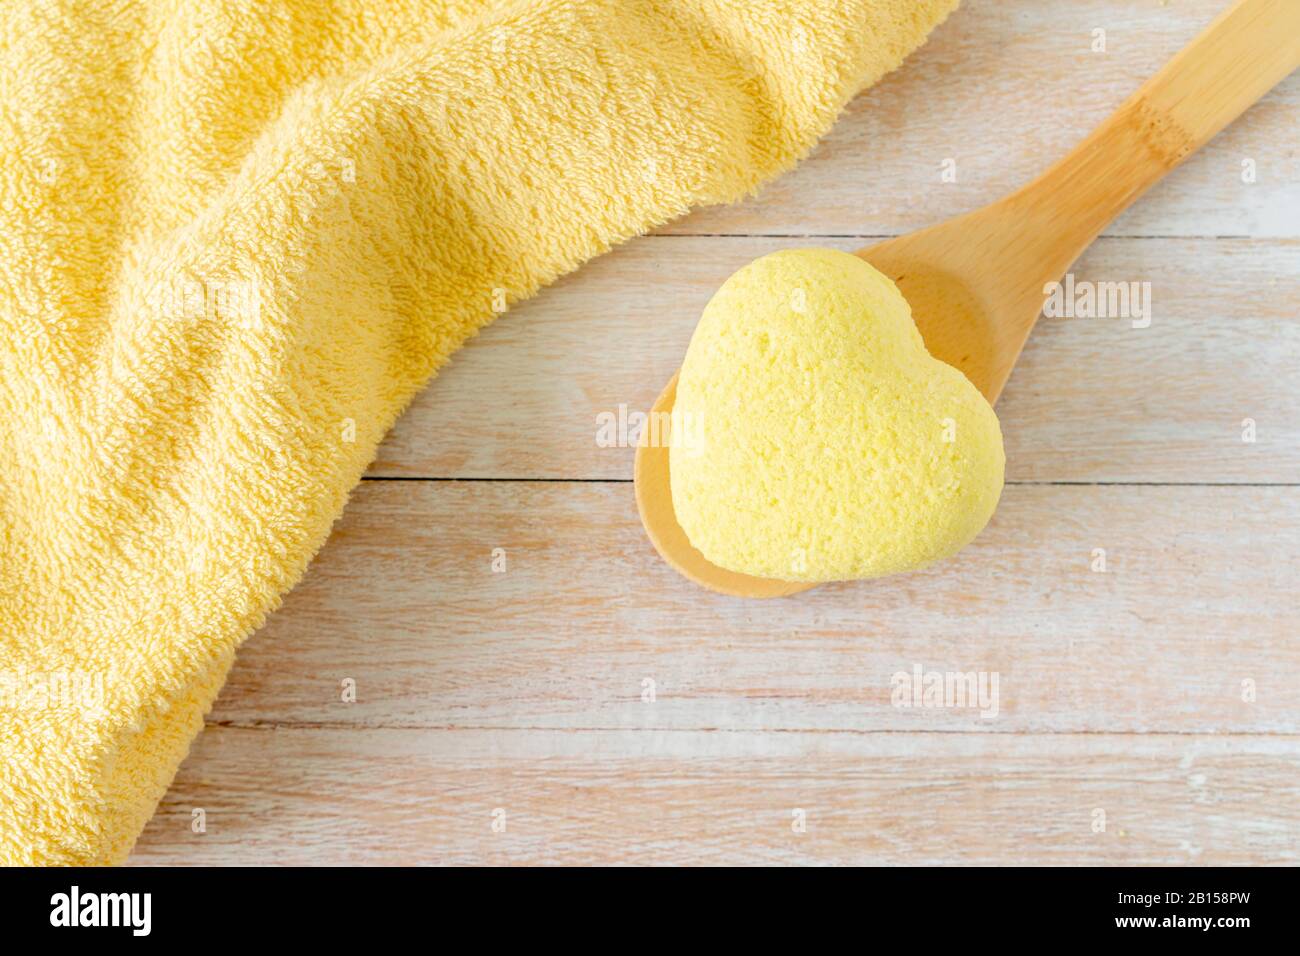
{"x":957,"y":328}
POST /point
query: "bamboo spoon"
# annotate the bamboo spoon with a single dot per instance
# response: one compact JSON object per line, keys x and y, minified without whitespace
{"x":976,"y":283}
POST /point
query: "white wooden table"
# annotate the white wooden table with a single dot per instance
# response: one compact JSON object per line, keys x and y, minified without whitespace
{"x":522,"y":698}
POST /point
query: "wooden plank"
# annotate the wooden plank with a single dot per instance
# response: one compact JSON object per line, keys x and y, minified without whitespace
{"x":1198,"y":597}
{"x":1003,"y":88}
{"x":326,"y":795}
{"x":1090,"y":400}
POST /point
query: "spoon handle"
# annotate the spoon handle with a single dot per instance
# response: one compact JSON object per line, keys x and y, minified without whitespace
{"x":1233,"y":62}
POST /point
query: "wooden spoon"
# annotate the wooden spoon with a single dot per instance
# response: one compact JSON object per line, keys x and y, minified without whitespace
{"x":976,"y":283}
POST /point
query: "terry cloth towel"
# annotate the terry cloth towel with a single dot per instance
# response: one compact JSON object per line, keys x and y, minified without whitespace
{"x":237,"y":236}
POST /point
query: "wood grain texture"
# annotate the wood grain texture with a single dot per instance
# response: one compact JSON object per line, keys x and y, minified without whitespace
{"x":1119,"y":691}
{"x":303,"y":795}
{"x":1091,"y":399}
{"x":1004,"y":88}
{"x":1197,"y":597}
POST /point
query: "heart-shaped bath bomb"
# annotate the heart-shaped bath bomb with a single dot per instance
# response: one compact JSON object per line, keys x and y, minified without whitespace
{"x":815,"y":437}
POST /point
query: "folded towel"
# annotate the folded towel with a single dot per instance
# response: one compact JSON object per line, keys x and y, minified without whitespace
{"x":237,"y":236}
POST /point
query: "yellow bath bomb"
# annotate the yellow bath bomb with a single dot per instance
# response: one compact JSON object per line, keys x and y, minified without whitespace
{"x":815,"y":437}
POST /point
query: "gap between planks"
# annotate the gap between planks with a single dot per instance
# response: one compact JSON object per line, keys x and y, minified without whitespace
{"x":873,"y":732}
{"x":1021,"y":483}
{"x":882,"y":236}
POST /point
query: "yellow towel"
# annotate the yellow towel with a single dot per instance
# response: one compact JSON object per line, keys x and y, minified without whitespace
{"x":237,"y":236}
